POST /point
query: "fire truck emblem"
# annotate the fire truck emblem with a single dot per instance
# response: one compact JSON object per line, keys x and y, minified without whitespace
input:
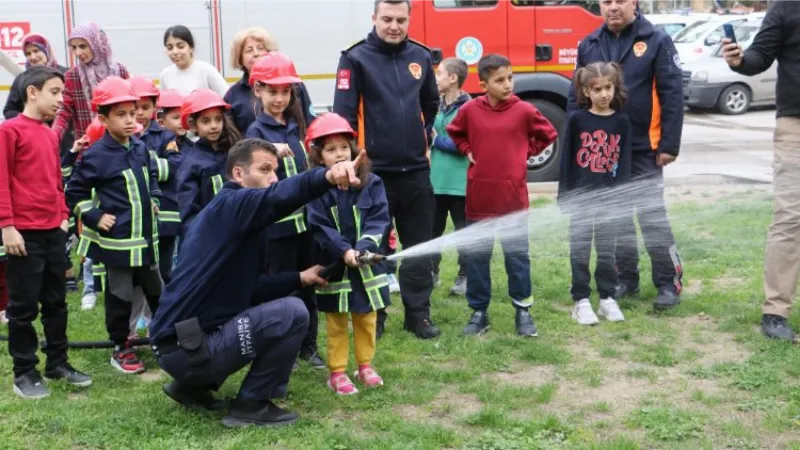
{"x":416,"y":70}
{"x":639,"y":48}
{"x":469,"y":49}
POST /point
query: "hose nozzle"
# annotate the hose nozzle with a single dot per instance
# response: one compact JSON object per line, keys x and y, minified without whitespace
{"x":370,"y":259}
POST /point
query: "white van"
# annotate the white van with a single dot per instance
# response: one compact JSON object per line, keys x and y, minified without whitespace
{"x":702,"y":37}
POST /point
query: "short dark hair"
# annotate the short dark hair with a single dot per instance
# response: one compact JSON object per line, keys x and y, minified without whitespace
{"x":392,"y":2}
{"x":105,"y":110}
{"x":241,"y":154}
{"x":37,"y":76}
{"x":180,"y":32}
{"x":489,"y":64}
{"x":457,"y":67}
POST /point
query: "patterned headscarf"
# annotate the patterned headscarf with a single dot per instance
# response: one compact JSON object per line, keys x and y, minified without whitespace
{"x":42,"y":43}
{"x":102,"y":65}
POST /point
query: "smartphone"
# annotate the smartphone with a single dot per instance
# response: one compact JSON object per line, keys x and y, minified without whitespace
{"x":728,"y":28}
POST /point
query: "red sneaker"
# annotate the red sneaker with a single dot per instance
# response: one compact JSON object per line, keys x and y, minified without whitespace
{"x":340,"y":384}
{"x":368,"y":376}
{"x":125,"y":361}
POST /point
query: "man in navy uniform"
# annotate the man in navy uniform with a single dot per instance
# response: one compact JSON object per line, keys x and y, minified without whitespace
{"x":218,"y":313}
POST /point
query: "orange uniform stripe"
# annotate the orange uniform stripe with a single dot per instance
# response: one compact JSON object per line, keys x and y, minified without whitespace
{"x":362,"y":144}
{"x":655,"y":121}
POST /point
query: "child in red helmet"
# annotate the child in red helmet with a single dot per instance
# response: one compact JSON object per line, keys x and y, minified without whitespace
{"x":346,"y":224}
{"x":203,"y":169}
{"x":114,"y":191}
{"x":169,"y":116}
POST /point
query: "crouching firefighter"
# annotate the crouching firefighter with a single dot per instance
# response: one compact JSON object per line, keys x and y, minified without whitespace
{"x":218,"y":313}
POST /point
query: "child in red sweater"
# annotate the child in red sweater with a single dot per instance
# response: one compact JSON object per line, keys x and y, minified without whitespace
{"x":33,"y":216}
{"x":498,"y":132}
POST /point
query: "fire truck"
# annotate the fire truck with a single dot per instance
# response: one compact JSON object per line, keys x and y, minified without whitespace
{"x":539,"y":37}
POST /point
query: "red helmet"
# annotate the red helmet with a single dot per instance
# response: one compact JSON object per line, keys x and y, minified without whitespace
{"x":200,"y":100}
{"x":326,"y":125}
{"x":94,"y":131}
{"x":143,"y":86}
{"x":112,"y":90}
{"x":274,"y":68}
{"x":170,"y":98}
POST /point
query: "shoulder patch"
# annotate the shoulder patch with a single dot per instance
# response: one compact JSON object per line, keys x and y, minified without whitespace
{"x":354,"y":44}
{"x":420,"y":44}
{"x":172,"y":146}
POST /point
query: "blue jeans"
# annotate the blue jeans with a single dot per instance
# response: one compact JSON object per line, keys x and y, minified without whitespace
{"x":88,"y":277}
{"x":518,"y":269}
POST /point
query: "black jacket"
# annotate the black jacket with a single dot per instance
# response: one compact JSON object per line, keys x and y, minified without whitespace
{"x":388,"y":94}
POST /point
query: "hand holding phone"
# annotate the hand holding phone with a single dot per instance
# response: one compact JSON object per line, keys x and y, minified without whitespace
{"x":728,"y":28}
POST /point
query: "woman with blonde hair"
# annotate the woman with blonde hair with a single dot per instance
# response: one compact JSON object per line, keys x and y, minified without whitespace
{"x":248,"y":46}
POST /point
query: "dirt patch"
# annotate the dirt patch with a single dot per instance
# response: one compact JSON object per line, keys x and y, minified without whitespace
{"x":699,"y":333}
{"x":152,"y":375}
{"x":528,"y":376}
{"x":76,"y":396}
{"x":693,"y":287}
{"x":445,"y":410}
{"x":729,"y":282}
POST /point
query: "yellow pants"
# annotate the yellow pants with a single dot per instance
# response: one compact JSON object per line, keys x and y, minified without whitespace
{"x":339,"y":341}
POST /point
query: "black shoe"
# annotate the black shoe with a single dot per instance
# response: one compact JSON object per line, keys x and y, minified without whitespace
{"x":312,"y":358}
{"x":194,"y":398}
{"x":626,"y":291}
{"x":775,"y":327}
{"x":666,"y":299}
{"x":524,"y":323}
{"x":31,"y":386}
{"x":68,"y":373}
{"x":424,"y":329}
{"x":478,"y":324}
{"x":264,"y":414}
{"x":72,"y":285}
{"x":379,"y":328}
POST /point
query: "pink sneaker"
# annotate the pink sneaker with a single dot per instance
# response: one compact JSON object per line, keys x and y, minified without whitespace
{"x":340,"y":384}
{"x":368,"y":376}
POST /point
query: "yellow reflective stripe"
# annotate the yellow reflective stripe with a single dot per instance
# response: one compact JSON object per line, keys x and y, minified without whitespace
{"x":90,"y":235}
{"x":336,"y":287}
{"x":374,"y":238}
{"x":335,"y":214}
{"x":169,"y":216}
{"x":357,"y":215}
{"x":83,"y":244}
{"x":71,"y":221}
{"x":162,"y":165}
{"x":2,"y":251}
{"x":66,"y":171}
{"x":153,"y":215}
{"x":98,"y":269}
{"x":305,"y":153}
{"x":373,"y":284}
{"x":299,"y":219}
{"x":216,"y":183}
{"x":290,"y":166}
{"x":135,"y":200}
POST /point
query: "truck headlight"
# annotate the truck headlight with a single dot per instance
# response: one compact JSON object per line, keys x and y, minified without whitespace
{"x":700,"y":76}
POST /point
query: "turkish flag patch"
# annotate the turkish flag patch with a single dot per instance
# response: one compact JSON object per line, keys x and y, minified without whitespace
{"x":343,"y":80}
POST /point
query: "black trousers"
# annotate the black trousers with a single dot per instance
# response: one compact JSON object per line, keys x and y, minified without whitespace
{"x":649,"y":206}
{"x":268,"y":335}
{"x":411,"y":206}
{"x":292,"y":254}
{"x":166,"y":248}
{"x":39,"y":277}
{"x":118,"y":311}
{"x":455,"y":207}
{"x":585,"y":224}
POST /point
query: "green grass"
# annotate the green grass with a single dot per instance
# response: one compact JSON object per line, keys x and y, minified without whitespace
{"x":676,"y":380}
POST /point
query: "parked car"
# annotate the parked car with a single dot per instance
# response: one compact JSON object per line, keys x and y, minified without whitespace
{"x":708,"y":82}
{"x":674,"y":23}
{"x":702,"y":37}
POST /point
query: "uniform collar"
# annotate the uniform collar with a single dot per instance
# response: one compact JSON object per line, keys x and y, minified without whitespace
{"x":232,"y":185}
{"x":383,"y":46}
{"x":154,"y":127}
{"x":111,"y":143}
{"x":270,"y":121}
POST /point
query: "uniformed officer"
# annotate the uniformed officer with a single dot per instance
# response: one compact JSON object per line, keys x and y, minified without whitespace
{"x":386,"y":89}
{"x":214,"y":317}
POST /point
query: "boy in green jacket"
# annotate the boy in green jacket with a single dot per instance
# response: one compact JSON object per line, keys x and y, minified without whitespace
{"x":448,"y":166}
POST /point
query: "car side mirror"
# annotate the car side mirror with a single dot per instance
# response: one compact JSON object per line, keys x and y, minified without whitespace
{"x":712,"y":40}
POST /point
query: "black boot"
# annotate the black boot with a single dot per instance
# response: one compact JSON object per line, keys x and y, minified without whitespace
{"x":194,"y":398}
{"x":524,"y":323}
{"x":311,"y":356}
{"x":666,"y":299}
{"x":775,"y":327}
{"x":245,"y":412}
{"x":478,"y":324}
{"x":626,"y":290}
{"x":380,"y":323}
{"x":423,"y":329}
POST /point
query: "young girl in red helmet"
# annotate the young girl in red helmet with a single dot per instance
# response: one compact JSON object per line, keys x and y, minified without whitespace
{"x":203,"y":169}
{"x":169,"y":116}
{"x":280,"y":121}
{"x":346,"y":224}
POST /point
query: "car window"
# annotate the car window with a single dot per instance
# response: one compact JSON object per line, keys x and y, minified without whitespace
{"x":744,"y":36}
{"x":670,"y":28}
{"x":694,"y":31}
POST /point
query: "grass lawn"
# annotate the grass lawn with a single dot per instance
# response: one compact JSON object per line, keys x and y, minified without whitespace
{"x":695,"y":378}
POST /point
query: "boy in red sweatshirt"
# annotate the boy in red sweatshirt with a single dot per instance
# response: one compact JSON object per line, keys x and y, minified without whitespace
{"x":33,"y":217}
{"x":498,"y":132}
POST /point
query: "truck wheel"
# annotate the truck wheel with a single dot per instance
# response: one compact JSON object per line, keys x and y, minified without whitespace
{"x":546,"y":165}
{"x":734,"y":100}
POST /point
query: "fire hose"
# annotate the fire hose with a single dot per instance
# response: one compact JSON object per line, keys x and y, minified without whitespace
{"x":366,"y":259}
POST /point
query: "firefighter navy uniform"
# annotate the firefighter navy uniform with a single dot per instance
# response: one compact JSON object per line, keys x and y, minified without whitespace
{"x":200,"y":178}
{"x":121,"y":181}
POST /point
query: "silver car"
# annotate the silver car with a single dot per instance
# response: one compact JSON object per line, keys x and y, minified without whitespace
{"x":709,"y":83}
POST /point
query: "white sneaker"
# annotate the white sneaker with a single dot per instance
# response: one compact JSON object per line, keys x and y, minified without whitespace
{"x":88,"y":301}
{"x":394,"y":286}
{"x":610,"y":310}
{"x":583,"y":313}
{"x":3,"y":318}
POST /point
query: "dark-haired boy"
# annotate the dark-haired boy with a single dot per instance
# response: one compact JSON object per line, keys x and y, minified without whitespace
{"x":33,"y":216}
{"x":448,"y":165}
{"x":498,"y":132}
{"x":112,"y":191}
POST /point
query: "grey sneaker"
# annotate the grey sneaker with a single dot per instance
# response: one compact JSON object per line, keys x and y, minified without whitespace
{"x":31,"y":386}
{"x":478,"y":324}
{"x":460,"y":286}
{"x":775,"y":327}
{"x":68,"y":373}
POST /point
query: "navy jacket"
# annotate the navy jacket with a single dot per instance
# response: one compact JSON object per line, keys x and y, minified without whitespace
{"x":163,"y":147}
{"x":245,"y":105}
{"x":217,"y":276}
{"x":388,"y":94}
{"x":267,"y":128}
{"x":112,"y":179}
{"x":344,"y":220}
{"x":200,"y":177}
{"x":654,"y":79}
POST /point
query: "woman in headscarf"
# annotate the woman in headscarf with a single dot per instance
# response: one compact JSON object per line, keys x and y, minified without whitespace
{"x":248,"y":46}
{"x":37,"y":53}
{"x":89,"y":44}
